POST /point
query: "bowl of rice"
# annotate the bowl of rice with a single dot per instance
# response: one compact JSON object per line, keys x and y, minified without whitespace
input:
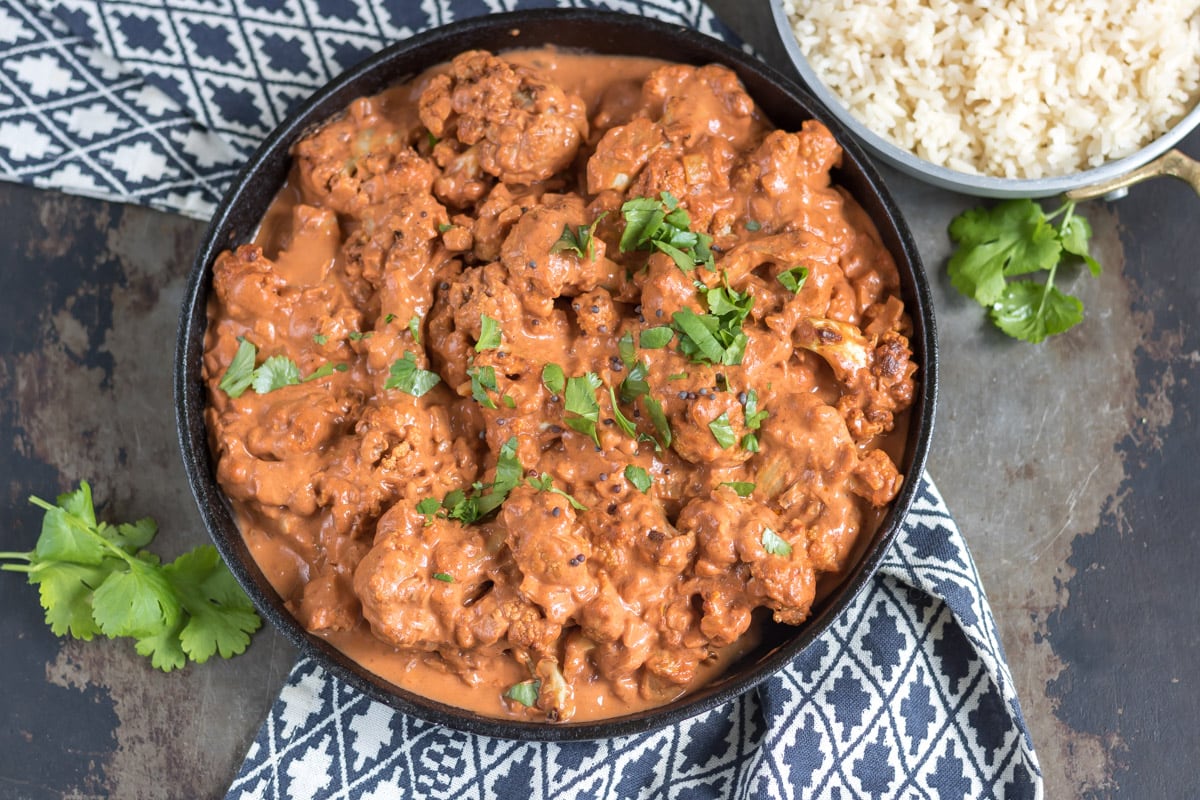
{"x":1026,"y":98}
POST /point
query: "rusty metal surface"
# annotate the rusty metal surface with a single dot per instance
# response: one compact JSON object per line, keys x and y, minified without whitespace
{"x":1067,"y":465}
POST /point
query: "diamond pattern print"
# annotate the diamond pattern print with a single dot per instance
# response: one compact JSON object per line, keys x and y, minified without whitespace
{"x":903,"y":697}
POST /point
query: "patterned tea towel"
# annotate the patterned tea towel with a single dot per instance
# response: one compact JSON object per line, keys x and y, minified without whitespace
{"x":907,"y":695}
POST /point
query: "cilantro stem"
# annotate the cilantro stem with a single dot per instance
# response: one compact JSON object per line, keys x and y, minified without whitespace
{"x":18,"y":556}
{"x":1068,"y":207}
{"x":16,"y":567}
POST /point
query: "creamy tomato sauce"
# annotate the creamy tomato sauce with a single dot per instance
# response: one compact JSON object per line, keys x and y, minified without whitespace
{"x":591,"y":366}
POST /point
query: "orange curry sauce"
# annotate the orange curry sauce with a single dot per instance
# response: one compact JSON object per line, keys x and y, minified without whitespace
{"x":443,"y":203}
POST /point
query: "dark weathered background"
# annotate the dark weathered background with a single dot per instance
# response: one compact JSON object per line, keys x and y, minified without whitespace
{"x":1070,"y":467}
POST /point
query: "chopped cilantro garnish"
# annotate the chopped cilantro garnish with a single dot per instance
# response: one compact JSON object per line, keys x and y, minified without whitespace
{"x":388,"y":318}
{"x":483,"y":380}
{"x":240,"y":374}
{"x":320,"y":338}
{"x":753,"y":225}
{"x":525,"y":693}
{"x":444,"y":577}
{"x":414,"y":327}
{"x":443,"y":227}
{"x":489,"y":334}
{"x":508,"y":401}
{"x":356,"y":336}
{"x":743,"y":488}
{"x":754,"y":416}
{"x":659,"y":419}
{"x":325,"y":370}
{"x":623,"y":422}
{"x":654,"y":338}
{"x":275,"y":373}
{"x":722,"y":431}
{"x":664,"y":226}
{"x":793,"y":279}
{"x":583,"y":412}
{"x":638,"y":477}
{"x":406,"y":376}
{"x":580,"y":240}
{"x":774,"y":544}
{"x":554,"y":378}
{"x":716,"y":337}
{"x":471,"y":506}
{"x":545,"y":483}
{"x":750,"y":443}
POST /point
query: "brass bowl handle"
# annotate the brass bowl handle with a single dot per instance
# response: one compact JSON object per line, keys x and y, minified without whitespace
{"x":1173,"y":163}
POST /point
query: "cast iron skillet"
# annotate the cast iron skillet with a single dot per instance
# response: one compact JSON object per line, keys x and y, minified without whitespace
{"x":243,"y":206}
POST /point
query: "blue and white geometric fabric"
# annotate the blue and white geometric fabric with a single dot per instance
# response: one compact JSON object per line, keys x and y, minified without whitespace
{"x":907,"y":695}
{"x":159,"y":102}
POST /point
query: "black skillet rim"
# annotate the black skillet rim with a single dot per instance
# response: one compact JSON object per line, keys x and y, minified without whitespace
{"x":601,"y":32}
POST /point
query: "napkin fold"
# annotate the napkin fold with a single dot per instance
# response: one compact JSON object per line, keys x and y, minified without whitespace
{"x":906,"y":695}
{"x":159,"y":102}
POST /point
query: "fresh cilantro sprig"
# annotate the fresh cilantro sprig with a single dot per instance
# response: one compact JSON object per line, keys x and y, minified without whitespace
{"x":274,"y":373}
{"x":652,"y":224}
{"x":1012,"y":239}
{"x":96,"y":578}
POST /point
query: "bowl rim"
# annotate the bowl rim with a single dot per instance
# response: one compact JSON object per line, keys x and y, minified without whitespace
{"x":381,"y":70}
{"x":965,"y":182}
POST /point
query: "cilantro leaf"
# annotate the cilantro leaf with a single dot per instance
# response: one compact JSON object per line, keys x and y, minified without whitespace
{"x":659,"y":419}
{"x":654,"y":338}
{"x":583,"y":411}
{"x":525,"y":693}
{"x":406,"y":376}
{"x":489,"y":334}
{"x":722,"y":431}
{"x":554,"y":378}
{"x":623,"y":422}
{"x":793,"y":279}
{"x":1032,"y":311}
{"x":483,"y":380}
{"x":750,"y":443}
{"x":545,"y":483}
{"x":325,"y":370}
{"x":775,"y":544}
{"x":65,"y":590}
{"x":136,"y":601}
{"x":470,"y":507}
{"x":444,"y":577}
{"x":221,"y":617}
{"x":240,"y":372}
{"x":716,"y":337}
{"x":275,"y":373}
{"x":742,"y":488}
{"x":638,"y":477}
{"x":754,"y":416}
{"x":414,"y":328}
{"x":320,"y":338}
{"x":580,"y":240}
{"x":1013,"y":238}
{"x":664,"y":226}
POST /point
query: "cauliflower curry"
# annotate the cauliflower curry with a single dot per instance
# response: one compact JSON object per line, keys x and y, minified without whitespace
{"x":546,"y":371}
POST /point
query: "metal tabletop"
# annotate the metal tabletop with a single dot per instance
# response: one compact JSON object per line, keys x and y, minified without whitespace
{"x":1069,"y":467}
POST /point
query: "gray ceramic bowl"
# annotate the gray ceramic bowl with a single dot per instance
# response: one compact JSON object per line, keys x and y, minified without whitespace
{"x":242,"y":209}
{"x":1109,"y":179}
